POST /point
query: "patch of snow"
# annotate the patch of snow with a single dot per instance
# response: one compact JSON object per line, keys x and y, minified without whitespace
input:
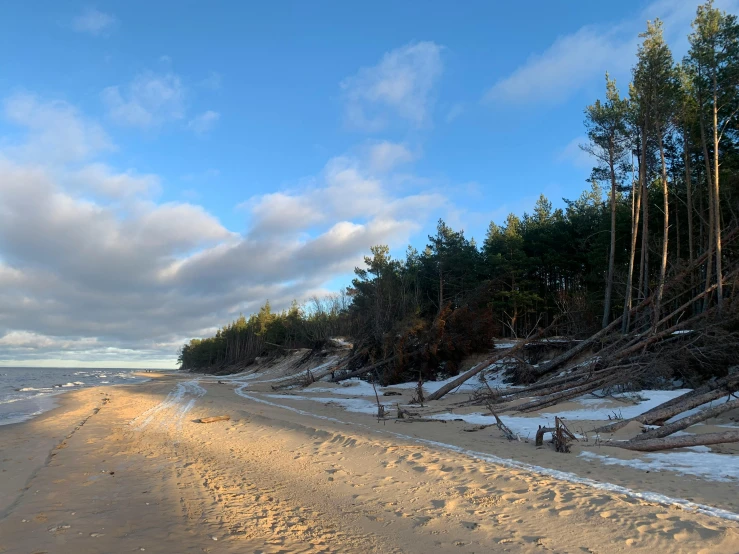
{"x":352,"y":387}
{"x":350,"y":404}
{"x":705,"y":464}
{"x":597,"y":409}
{"x":505,"y":344}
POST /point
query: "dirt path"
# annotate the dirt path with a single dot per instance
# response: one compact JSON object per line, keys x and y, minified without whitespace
{"x":141,"y":476}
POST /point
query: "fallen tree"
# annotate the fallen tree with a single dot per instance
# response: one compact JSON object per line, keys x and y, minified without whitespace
{"x":682,"y":441}
{"x":362,"y":370}
{"x":487,"y":363}
{"x":659,"y":414}
{"x":684,"y":423}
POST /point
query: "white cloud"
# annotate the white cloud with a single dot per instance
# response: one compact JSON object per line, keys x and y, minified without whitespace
{"x":102,"y":179}
{"x":573,"y":154}
{"x":93,"y":22}
{"x":203,"y":123}
{"x":150,"y":100}
{"x":400,"y":85}
{"x":214,"y":81}
{"x":386,"y":155}
{"x":576,"y":60}
{"x":85,"y":280}
{"x":56,"y":131}
{"x":344,"y":193}
{"x":571,"y":62}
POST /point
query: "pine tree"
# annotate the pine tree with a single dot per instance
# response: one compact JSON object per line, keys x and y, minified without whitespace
{"x":714,"y":59}
{"x":609,"y":141}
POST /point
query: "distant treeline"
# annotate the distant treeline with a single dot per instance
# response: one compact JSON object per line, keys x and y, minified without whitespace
{"x":663,"y":193}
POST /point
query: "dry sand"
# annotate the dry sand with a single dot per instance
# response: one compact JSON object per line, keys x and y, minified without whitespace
{"x":141,"y":476}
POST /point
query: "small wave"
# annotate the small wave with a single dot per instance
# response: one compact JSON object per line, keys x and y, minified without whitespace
{"x":27,"y":389}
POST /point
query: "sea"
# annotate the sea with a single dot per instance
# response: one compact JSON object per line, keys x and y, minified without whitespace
{"x":26,"y":392}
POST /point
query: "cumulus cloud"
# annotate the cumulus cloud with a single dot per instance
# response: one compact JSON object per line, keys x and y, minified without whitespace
{"x":101,"y":179}
{"x":55,"y":131}
{"x":400,"y":85}
{"x":203,"y":123}
{"x":150,"y":100}
{"x":386,"y":155}
{"x":575,"y":60}
{"x":84,"y":279}
{"x":346,"y":193}
{"x":93,"y":22}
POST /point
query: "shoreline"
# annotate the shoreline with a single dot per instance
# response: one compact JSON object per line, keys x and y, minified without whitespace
{"x":136,"y":471}
{"x":52,"y":399}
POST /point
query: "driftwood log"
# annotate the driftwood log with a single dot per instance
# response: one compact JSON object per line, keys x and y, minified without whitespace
{"x":213,"y":419}
{"x":667,"y":443}
{"x":659,"y":414}
{"x":684,"y":423}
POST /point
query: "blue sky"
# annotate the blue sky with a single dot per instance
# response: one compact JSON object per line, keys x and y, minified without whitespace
{"x":192,"y":159}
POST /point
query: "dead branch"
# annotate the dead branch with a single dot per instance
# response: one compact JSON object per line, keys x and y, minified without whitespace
{"x":552,"y":399}
{"x":362,"y":370}
{"x":487,"y":363}
{"x":540,"y":434}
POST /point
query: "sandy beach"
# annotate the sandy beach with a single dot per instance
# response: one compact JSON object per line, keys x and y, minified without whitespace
{"x":128,"y":469}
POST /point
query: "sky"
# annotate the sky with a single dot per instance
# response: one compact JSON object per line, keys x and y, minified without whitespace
{"x":166,"y":166}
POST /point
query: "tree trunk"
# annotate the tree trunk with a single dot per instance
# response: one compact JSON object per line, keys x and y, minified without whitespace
{"x":612,"y":253}
{"x":363,"y":370}
{"x":487,"y":363}
{"x":689,"y":192}
{"x":682,"y":441}
{"x":635,"y":211}
{"x":684,"y":423}
{"x":552,"y":399}
{"x":711,"y":215}
{"x":716,"y":199}
{"x":644,"y":265}
{"x":662,"y":413}
{"x":665,"y":236}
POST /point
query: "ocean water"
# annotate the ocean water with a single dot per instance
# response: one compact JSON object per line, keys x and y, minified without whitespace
{"x":26,"y":392}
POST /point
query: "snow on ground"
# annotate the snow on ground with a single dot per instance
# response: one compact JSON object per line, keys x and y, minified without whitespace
{"x":357,"y":387}
{"x":505,"y":344}
{"x":592,"y":409}
{"x":701,"y":463}
{"x":349,"y":404}
{"x":351,"y":387}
